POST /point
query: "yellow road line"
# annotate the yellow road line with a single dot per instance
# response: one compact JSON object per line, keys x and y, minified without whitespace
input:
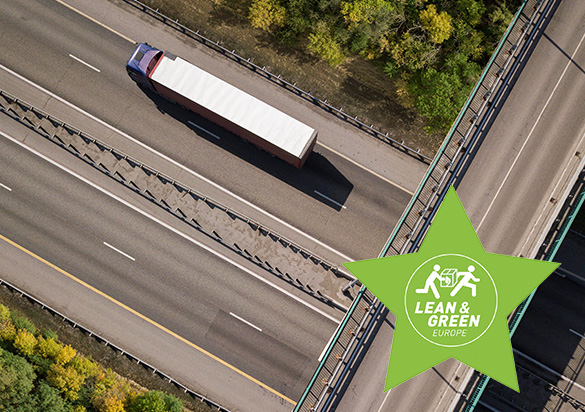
{"x":141,"y":316}
{"x":96,"y":21}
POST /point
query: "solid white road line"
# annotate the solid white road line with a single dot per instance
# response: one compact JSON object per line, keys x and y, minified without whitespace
{"x":384,"y":401}
{"x":82,"y":62}
{"x":546,"y":368}
{"x":168,"y":159}
{"x":172,"y":229}
{"x":245,"y":321}
{"x":331,"y":200}
{"x":5,"y":187}
{"x":577,"y":333}
{"x":205,"y":130}
{"x":379,"y":176}
{"x":530,"y":134}
{"x":95,"y":21}
{"x":119,"y":251}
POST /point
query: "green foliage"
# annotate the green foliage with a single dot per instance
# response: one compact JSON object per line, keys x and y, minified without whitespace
{"x":48,"y":348}
{"x":155,"y":401}
{"x":50,"y":334}
{"x":110,"y":393}
{"x":471,"y":11}
{"x":414,"y":41}
{"x":267,"y":15}
{"x":48,"y":399}
{"x":324,"y":45}
{"x":66,"y":379}
{"x":412,"y":54}
{"x":4,"y":313}
{"x":441,"y":94}
{"x":7,"y":330}
{"x":21,"y":322}
{"x":52,"y":377}
{"x":499,"y":20}
{"x":16,"y":382}
{"x":84,"y":366}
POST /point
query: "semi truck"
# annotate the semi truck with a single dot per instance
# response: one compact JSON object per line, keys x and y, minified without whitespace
{"x":222,"y":103}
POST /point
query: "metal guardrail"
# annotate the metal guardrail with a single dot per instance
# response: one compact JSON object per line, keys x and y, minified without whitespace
{"x":11,"y":105}
{"x":419,"y":213}
{"x":277,"y":79}
{"x":117,"y":349}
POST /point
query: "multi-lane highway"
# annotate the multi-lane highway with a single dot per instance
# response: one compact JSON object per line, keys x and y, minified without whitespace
{"x":113,"y":261}
{"x":207,"y":298}
{"x":530,"y":153}
{"x":39,"y":41}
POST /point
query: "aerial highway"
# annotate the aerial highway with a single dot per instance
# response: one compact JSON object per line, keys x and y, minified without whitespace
{"x":511,"y":190}
{"x":117,"y":264}
{"x":167,"y":274}
{"x":364,"y":182}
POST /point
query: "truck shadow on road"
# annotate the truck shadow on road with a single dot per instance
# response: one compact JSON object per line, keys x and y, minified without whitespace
{"x":318,"y":178}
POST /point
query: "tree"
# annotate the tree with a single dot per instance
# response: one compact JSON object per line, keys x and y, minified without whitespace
{"x":48,"y":348}
{"x":267,"y":15}
{"x":16,"y":381}
{"x":65,"y":355}
{"x":439,"y":95}
{"x":25,"y":342}
{"x":7,"y":330}
{"x":155,"y":401}
{"x":66,"y":379}
{"x":438,"y":25}
{"x":412,"y":54}
{"x":49,"y":399}
{"x":369,"y":24}
{"x":300,"y":16}
{"x":324,"y":45}
{"x":110,"y":393}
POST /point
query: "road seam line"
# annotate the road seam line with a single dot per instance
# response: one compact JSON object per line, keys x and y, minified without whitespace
{"x":85,"y":63}
{"x":6,"y":187}
{"x":331,"y":200}
{"x":95,"y":21}
{"x":204,"y":130}
{"x":172,"y":229}
{"x":119,"y":251}
{"x":143,"y":317}
{"x":245,"y":321}
{"x":174,"y":162}
{"x":530,"y":134}
{"x":577,"y":333}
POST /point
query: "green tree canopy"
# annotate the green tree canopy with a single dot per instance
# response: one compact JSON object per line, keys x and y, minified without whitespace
{"x":16,"y":382}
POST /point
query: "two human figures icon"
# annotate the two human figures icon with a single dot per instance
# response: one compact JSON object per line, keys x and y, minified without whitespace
{"x":464,"y":279}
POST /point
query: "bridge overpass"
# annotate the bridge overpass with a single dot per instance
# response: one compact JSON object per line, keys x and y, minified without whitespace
{"x":513,"y":154}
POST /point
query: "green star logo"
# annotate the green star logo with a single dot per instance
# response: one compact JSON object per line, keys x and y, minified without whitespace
{"x":451,"y":299}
